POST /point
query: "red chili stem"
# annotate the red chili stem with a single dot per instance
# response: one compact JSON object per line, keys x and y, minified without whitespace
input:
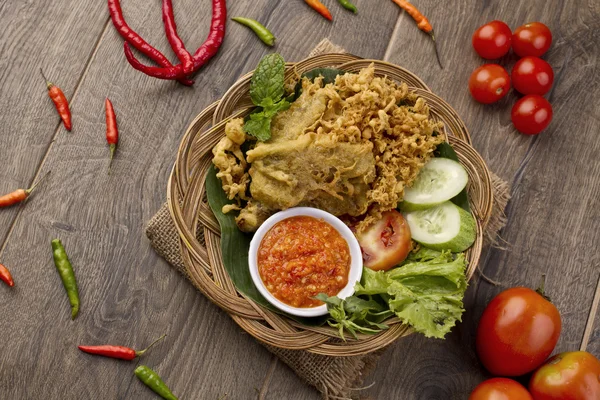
{"x":204,"y":53}
{"x":5,"y":276}
{"x":60,"y":102}
{"x":120,"y":352}
{"x":116,"y":15}
{"x":174,"y":40}
{"x":112,"y":131}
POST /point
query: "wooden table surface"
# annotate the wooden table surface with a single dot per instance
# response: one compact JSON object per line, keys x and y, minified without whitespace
{"x":130,"y":296}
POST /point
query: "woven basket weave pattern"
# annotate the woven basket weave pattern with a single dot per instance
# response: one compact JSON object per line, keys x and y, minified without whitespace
{"x":199,"y":230}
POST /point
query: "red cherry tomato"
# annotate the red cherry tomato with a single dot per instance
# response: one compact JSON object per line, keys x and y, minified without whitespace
{"x":492,"y":40}
{"x":532,"y":75}
{"x":532,"y":114}
{"x":517,"y":332}
{"x":567,"y":376}
{"x":500,"y":389}
{"x":386,"y":243}
{"x":532,"y":39}
{"x":489,"y":83}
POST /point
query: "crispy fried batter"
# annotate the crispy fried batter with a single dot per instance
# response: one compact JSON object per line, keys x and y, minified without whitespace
{"x":348,"y":148}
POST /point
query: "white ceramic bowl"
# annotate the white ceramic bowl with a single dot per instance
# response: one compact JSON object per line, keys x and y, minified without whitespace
{"x":356,"y":262}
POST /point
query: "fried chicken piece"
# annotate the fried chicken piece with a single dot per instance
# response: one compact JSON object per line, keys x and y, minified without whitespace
{"x":349,"y":148}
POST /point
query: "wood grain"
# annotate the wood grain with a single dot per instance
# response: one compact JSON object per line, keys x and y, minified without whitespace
{"x":554,"y":219}
{"x":130,"y":296}
{"x":547,"y":178}
{"x":590,"y":335}
{"x":38,"y":34}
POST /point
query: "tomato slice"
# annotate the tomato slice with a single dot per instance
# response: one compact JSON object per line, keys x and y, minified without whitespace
{"x":386,"y":243}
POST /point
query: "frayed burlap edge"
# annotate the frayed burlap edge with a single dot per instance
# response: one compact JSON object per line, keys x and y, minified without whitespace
{"x":337,"y":378}
{"x":501,"y":191}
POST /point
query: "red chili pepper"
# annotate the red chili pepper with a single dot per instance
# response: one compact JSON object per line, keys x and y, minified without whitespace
{"x":112,"y":131}
{"x":5,"y":276}
{"x":422,"y":23}
{"x":174,"y":40}
{"x":60,"y":102}
{"x":18,"y":195}
{"x":320,"y":8}
{"x":116,"y":15}
{"x":121,"y":352}
{"x":202,"y":55}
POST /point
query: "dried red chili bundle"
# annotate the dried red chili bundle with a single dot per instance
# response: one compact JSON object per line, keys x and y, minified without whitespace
{"x":60,"y":102}
{"x":5,"y":276}
{"x":320,"y":8}
{"x":422,"y":23}
{"x":208,"y":49}
{"x":116,"y":15}
{"x":19,"y":195}
{"x":120,"y":352}
{"x":112,"y":131}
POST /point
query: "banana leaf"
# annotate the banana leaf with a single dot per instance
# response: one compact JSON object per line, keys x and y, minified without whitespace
{"x":234,"y":248}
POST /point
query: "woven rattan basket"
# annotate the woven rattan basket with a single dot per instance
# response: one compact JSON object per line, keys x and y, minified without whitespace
{"x":199,"y":230}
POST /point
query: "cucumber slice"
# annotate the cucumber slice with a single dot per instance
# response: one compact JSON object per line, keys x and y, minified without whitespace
{"x":439,"y":180}
{"x":443,"y":227}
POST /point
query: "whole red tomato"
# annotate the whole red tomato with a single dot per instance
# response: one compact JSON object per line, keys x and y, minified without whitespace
{"x":492,"y":40}
{"x":517,"y":332}
{"x":489,"y":83}
{"x":532,"y":75}
{"x":532,"y":39}
{"x":567,"y":376}
{"x":532,"y":114}
{"x":500,"y":389}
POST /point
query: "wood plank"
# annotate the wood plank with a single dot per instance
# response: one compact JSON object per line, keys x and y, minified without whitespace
{"x":553,"y":217}
{"x":591,"y":337}
{"x":546,"y":183}
{"x":38,"y":34}
{"x":128,"y":294}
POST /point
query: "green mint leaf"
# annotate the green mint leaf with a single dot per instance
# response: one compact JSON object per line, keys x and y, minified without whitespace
{"x":275,"y":108}
{"x":268,"y":79}
{"x":259,"y":123}
{"x":259,"y":126}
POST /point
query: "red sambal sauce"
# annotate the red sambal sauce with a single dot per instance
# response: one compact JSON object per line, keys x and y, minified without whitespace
{"x":301,"y":257}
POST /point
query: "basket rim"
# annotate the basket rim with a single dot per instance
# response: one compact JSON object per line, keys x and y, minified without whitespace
{"x":197,"y":260}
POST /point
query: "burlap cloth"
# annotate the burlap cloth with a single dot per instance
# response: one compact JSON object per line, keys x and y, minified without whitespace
{"x":334,"y":377}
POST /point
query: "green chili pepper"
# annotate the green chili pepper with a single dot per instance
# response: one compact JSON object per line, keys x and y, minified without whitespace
{"x":261,"y":31}
{"x":153,"y":381}
{"x":65,"y":270}
{"x":348,"y":6}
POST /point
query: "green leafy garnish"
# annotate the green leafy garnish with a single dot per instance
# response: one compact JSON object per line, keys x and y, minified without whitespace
{"x":355,"y":315}
{"x":425,"y":292}
{"x":266,"y":92}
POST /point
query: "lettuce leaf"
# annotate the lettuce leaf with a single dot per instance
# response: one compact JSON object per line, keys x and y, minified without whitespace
{"x":426,"y":292}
